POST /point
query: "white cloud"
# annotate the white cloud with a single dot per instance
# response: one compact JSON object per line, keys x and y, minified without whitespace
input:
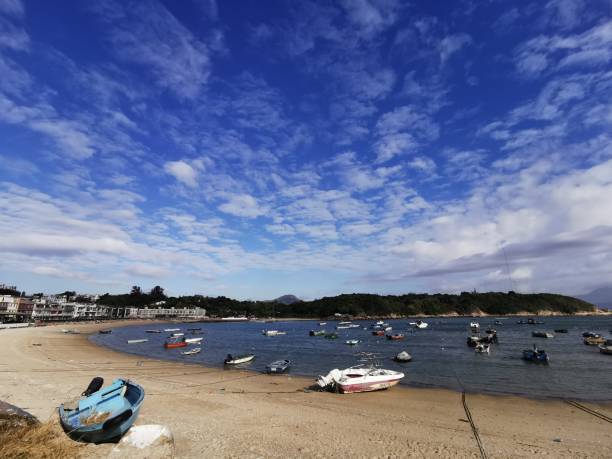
{"x":183,"y":172}
{"x":12,"y":7}
{"x":242,"y":205}
{"x":451,"y":44}
{"x":13,"y":37}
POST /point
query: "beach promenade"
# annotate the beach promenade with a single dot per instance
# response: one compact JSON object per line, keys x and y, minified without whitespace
{"x":232,"y":413}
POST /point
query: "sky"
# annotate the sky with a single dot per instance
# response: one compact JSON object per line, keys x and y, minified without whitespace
{"x":253,"y":149}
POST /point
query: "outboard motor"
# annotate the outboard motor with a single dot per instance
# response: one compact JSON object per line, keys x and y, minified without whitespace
{"x":94,"y":386}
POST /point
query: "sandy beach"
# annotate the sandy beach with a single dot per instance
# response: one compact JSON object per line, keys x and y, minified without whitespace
{"x":231,"y":413}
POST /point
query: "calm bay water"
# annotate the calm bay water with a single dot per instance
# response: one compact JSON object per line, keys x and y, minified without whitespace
{"x":440,"y":355}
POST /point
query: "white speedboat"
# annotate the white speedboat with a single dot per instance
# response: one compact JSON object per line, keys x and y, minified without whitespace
{"x":193,"y":340}
{"x":136,"y":341}
{"x":359,"y":379}
{"x":419,"y":324}
{"x":352,"y":342}
{"x":238,"y":359}
{"x":195,"y":350}
{"x":171,"y":329}
{"x":475,"y":327}
{"x":273,"y":332}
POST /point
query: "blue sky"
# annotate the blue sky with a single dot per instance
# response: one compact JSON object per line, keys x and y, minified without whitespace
{"x":252,"y":149}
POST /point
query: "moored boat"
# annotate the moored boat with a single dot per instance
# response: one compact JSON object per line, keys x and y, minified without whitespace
{"x":359,"y":379}
{"x":153,"y":331}
{"x":605,"y":349}
{"x":396,"y":337}
{"x":273,"y":332}
{"x":475,"y":327}
{"x":193,"y":340}
{"x":238,"y":359}
{"x":419,"y":324}
{"x":195,"y":350}
{"x":136,"y":341}
{"x":174,"y":342}
{"x":594,"y":340}
{"x":105,"y":413}
{"x":482,"y":348}
{"x":278,"y":366}
{"x":194,"y":329}
{"x":172,"y":329}
{"x":535,"y":355}
{"x":105,"y":332}
{"x":352,"y":342}
{"x":316,"y":332}
{"x":378,"y":333}
{"x":560,"y":330}
{"x":403,"y":356}
{"x":322,"y":323}
{"x":542,"y":334}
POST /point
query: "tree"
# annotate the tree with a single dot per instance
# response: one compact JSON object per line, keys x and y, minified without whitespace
{"x":157,"y":293}
{"x":136,"y":291}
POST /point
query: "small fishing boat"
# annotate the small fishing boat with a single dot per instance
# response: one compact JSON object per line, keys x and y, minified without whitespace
{"x":594,"y":340}
{"x":273,"y":332}
{"x":388,"y":329}
{"x":331,"y":336}
{"x":322,"y":323}
{"x":153,"y":331}
{"x":174,"y":342}
{"x":352,"y":342}
{"x":535,"y":355}
{"x":473,"y":341}
{"x":136,"y":341}
{"x":177,"y":334}
{"x":279,"y":366}
{"x":171,"y":329}
{"x":475,"y":327}
{"x":378,"y":333}
{"x":345,"y":323}
{"x":419,"y":324}
{"x":590,"y":335}
{"x":105,"y":332}
{"x":103,"y":414}
{"x":403,"y":357}
{"x":396,"y":337}
{"x":194,"y":329}
{"x":380,"y":322}
{"x":354,"y":326}
{"x":482,"y":348}
{"x":316,"y":332}
{"x":341,"y":327}
{"x":605,"y":349}
{"x":193,"y":340}
{"x":560,"y":330}
{"x":359,"y":379}
{"x":195,"y":350}
{"x":542,"y":334}
{"x":238,"y":359}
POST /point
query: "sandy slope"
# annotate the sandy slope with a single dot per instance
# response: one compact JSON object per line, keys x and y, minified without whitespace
{"x":229,"y":413}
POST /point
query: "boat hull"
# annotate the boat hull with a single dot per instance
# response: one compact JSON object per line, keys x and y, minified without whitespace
{"x":367,"y":386}
{"x":175,"y":345}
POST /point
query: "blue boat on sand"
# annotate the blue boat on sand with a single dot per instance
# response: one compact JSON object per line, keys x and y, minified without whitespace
{"x":104,"y":414}
{"x":535,"y":355}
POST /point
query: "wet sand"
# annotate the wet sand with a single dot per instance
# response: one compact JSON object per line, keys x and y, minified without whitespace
{"x":232,"y":413}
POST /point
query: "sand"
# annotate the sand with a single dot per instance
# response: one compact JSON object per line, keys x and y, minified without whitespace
{"x":231,"y":413}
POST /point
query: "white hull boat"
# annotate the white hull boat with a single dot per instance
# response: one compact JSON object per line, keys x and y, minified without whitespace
{"x":136,"y":341}
{"x":352,"y":342}
{"x":193,"y":340}
{"x":475,"y":327}
{"x":236,"y":360}
{"x":358,"y":379}
{"x":482,"y":349}
{"x":171,"y":329}
{"x":273,"y":332}
{"x":403,"y":357}
{"x":419,"y":324}
{"x":195,"y":350}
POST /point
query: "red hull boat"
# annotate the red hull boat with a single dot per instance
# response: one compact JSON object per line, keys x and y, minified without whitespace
{"x":379,"y":333}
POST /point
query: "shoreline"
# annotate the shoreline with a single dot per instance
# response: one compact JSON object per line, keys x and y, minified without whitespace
{"x":219,"y":412}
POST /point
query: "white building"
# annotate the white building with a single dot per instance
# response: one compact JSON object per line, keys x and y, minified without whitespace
{"x":153,"y":313}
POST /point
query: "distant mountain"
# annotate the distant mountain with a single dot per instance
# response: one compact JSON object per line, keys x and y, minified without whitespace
{"x":288,"y":299}
{"x":601,"y":297}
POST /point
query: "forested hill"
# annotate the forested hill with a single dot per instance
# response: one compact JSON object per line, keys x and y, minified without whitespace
{"x":361,"y":305}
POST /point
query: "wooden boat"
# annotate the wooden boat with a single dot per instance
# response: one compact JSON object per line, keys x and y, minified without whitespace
{"x":541,"y":334}
{"x":378,"y":333}
{"x":403,"y":357}
{"x":195,"y":350}
{"x":153,"y":331}
{"x":103,"y":414}
{"x":136,"y":341}
{"x":605,"y":349}
{"x":594,"y":340}
{"x":193,"y":340}
{"x":561,"y":330}
{"x":396,"y":336}
{"x":535,"y":355}
{"x":279,"y":366}
{"x":331,"y":336}
{"x":174,"y":342}
{"x":359,"y":379}
{"x":352,"y":342}
{"x":316,"y":332}
{"x":238,"y":359}
{"x":482,"y":348}
{"x":105,"y":332}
